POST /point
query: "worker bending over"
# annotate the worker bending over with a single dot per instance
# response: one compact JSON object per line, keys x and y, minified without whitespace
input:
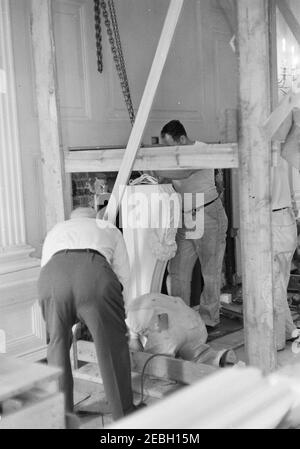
{"x":84,"y":268}
{"x":210,"y":247}
{"x":162,"y":324}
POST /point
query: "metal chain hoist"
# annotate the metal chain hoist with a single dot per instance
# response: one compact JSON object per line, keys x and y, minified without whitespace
{"x":111,"y":23}
{"x":97,"y":11}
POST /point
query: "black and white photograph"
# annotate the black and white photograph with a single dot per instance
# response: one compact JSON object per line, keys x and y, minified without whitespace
{"x":149,"y":218}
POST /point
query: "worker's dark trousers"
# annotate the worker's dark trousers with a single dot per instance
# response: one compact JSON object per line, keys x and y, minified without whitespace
{"x":83,"y":286}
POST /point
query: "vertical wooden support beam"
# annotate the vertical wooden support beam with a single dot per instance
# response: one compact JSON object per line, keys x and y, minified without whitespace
{"x":144,"y":108}
{"x":255,"y":183}
{"x":48,"y":111}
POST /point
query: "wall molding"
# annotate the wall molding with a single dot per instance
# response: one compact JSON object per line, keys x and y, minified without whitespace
{"x":76,"y":10}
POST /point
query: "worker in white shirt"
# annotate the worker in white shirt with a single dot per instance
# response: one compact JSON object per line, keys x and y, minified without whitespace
{"x":162,"y":324}
{"x":210,"y":247}
{"x":84,"y":267}
{"x":284,"y":230}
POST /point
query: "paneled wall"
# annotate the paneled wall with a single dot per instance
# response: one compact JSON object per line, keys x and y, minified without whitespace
{"x":198,"y":83}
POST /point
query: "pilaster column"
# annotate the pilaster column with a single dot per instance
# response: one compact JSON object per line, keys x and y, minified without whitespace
{"x":14,"y":252}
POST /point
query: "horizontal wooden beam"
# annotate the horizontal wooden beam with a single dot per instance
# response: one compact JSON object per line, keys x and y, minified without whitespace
{"x":156,"y":158}
{"x":162,"y":367}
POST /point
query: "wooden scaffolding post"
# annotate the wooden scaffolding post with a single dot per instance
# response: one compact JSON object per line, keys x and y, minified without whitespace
{"x":255,"y":183}
{"x":48,"y":110}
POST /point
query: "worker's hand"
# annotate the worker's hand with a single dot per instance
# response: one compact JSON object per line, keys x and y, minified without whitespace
{"x":135,"y":345}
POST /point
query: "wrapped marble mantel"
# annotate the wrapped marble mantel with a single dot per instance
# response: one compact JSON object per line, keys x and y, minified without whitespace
{"x":150,"y":216}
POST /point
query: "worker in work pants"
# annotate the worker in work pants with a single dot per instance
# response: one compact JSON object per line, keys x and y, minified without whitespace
{"x":74,"y":286}
{"x":210,"y":249}
{"x":284,"y":234}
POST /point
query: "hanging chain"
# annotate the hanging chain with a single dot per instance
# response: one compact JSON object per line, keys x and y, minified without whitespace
{"x":97,"y":11}
{"x":116,"y":48}
{"x":113,"y":16}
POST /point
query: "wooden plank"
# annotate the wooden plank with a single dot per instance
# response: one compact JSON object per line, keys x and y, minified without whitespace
{"x":290,"y":375}
{"x":235,"y":399}
{"x":48,"y":111}
{"x":162,"y":367}
{"x":294,"y":283}
{"x":278,"y":137}
{"x":232,"y":309}
{"x":285,"y":107}
{"x":260,"y":408}
{"x":161,"y":158}
{"x":290,"y":18}
{"x":45,"y":414}
{"x":186,"y":409}
{"x":18,"y":376}
{"x":230,"y":341}
{"x":255,"y":184}
{"x":91,"y":389}
{"x":144,"y":108}
{"x":291,"y":100}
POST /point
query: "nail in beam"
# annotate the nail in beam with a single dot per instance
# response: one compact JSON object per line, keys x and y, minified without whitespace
{"x":255,"y":183}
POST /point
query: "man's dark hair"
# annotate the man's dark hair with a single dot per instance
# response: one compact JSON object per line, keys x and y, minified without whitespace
{"x":175,"y":129}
